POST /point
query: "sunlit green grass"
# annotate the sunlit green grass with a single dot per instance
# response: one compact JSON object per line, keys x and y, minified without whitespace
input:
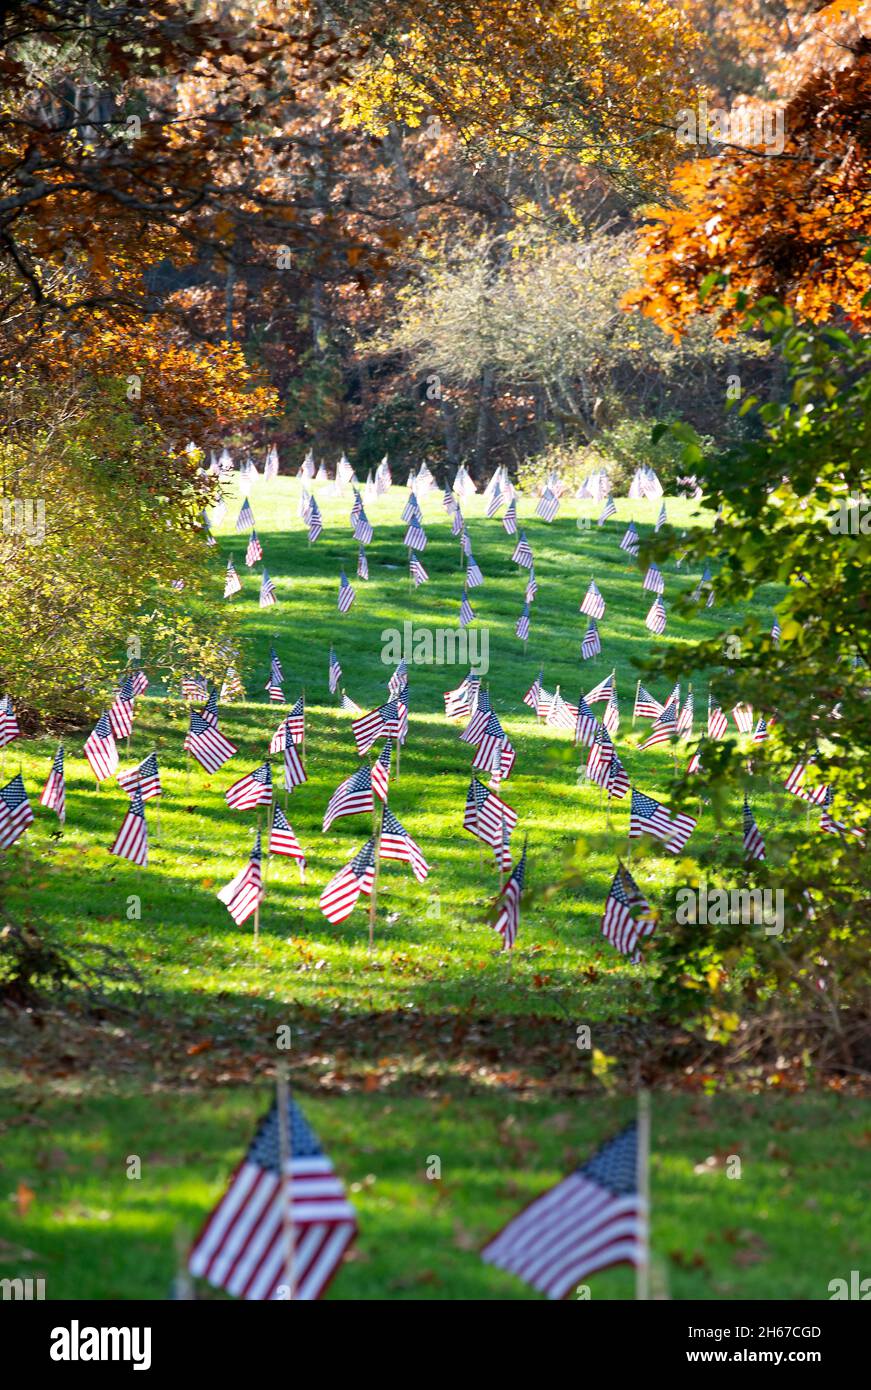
{"x":794,"y":1218}
{"x":434,"y":948}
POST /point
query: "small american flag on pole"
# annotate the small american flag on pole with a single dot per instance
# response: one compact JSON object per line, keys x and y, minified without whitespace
{"x":507,"y":921}
{"x":315,"y":521}
{"x":396,"y":843}
{"x":522,"y":552}
{"x":245,"y":519}
{"x":146,"y":777}
{"x":244,"y":893}
{"x":608,"y":511}
{"x":548,"y":505}
{"x":630,"y":541}
{"x":467,"y":613}
{"x":647,"y":816}
{"x":415,"y":536}
{"x":244,"y":1248}
{"x":282,"y":839}
{"x":131,"y":841}
{"x":351,"y":797}
{"x":254,"y":789}
{"x":267,"y":591}
{"x":509,"y":520}
{"x":207,"y":744}
{"x":521,"y":629}
{"x":627,"y":918}
{"x":54,"y":791}
{"x":591,"y":1220}
{"x":346,"y":593}
{"x":362,"y":563}
{"x":335,"y":672}
{"x":592,"y":604}
{"x":15,"y":812}
{"x":416,"y":570}
{"x":656,"y":618}
{"x":232,"y":583}
{"x":254,"y":551}
{"x":9,"y":729}
{"x":654,"y":580}
{"x":339,"y":898}
{"x":100,"y":749}
{"x":754,"y":845}
{"x":591,"y":644}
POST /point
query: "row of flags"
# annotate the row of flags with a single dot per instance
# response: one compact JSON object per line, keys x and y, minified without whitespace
{"x":283,"y":1226}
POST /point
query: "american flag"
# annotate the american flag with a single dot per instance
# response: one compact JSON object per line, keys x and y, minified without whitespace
{"x":381,"y":771}
{"x":656,"y":618}
{"x":396,"y":843}
{"x":100,"y":749}
{"x":351,"y":797}
{"x":743,"y":717}
{"x":664,"y":730}
{"x":509,"y":520}
{"x":608,"y":511}
{"x":647,"y":816}
{"x":232,"y":584}
{"x":531,"y":586}
{"x":474,"y":577}
{"x":548,"y":505}
{"x":267,"y":591}
{"x":507,"y":921}
{"x":522,"y":552}
{"x":661,"y":519}
{"x":295,"y":721}
{"x":416,"y":570}
{"x":140,"y":682}
{"x":630,"y":542}
{"x":653,"y":580}
{"x":276,"y":678}
{"x":484,"y":816}
{"x":402,"y":712}
{"x":245,"y":519}
{"x":282,"y":839}
{"x":270,"y":465}
{"x":601,"y":692}
{"x":617,"y":782}
{"x":243,"y":1247}
{"x":363,"y":528}
{"x":560,"y":713}
{"x":346,"y":593}
{"x":754,"y":845}
{"x":521,"y":628}
{"x":194,"y":688}
{"x":121,"y":712}
{"x":411,"y":511}
{"x":254,"y":789}
{"x":466,"y":542}
{"x":467,"y":614}
{"x":131,"y":841}
{"x":760,"y":733}
{"x":591,"y":644}
{"x":685,"y":718}
{"x":415,"y":536}
{"x":474,"y":730}
{"x":776,"y":632}
{"x":244,"y":893}
{"x":591,"y":1220}
{"x":532,"y":698}
{"x":146,"y":777}
{"x":8,"y":723}
{"x":645,"y":704}
{"x":399,"y":680}
{"x":599,"y":760}
{"x":496,"y":501}
{"x":383,"y":721}
{"x":209,"y":710}
{"x":464,"y":699}
{"x":488,"y":757}
{"x":593,"y":604}
{"x":449,"y":501}
{"x":837,"y":827}
{"x":586,"y":724}
{"x":315,"y":521}
{"x":254,"y":551}
{"x":54,"y":791}
{"x":627,"y":918}
{"x":717,"y":721}
{"x":362,"y":563}
{"x":294,"y":772}
{"x":335,"y":672}
{"x":457,"y":523}
{"x":207,"y":744}
{"x":15,"y":812}
{"x":347,"y":704}
{"x":339,"y":898}
{"x":611,"y":717}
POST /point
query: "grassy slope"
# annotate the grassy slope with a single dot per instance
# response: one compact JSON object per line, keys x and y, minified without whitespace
{"x":434,"y":949}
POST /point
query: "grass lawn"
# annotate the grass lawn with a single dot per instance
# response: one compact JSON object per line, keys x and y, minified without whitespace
{"x":434,"y":950}
{"x":794,"y":1219}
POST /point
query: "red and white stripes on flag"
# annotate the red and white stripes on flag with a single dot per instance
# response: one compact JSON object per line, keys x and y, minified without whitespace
{"x":507,"y":921}
{"x":121,"y":711}
{"x":591,"y":1220}
{"x":339,"y":898}
{"x":282,"y":839}
{"x":548,"y":505}
{"x":243,"y":1246}
{"x":346,"y":593}
{"x":351,"y":797}
{"x":244,"y":893}
{"x":656,"y":618}
{"x":232,"y":583}
{"x":754,"y":845}
{"x":100,"y":749}
{"x":592,"y":604}
{"x":743,"y":717}
{"x":383,"y":721}
{"x":131,"y":841}
{"x":254,"y":789}
{"x":8,"y":722}
{"x":146,"y":777}
{"x":54,"y":791}
{"x":484,"y":816}
{"x":206,"y":743}
{"x":627,"y":919}
{"x":396,"y":843}
{"x":647,"y":816}
{"x":15,"y":812}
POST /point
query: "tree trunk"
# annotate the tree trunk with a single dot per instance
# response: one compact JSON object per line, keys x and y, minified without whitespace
{"x":482,"y":433}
